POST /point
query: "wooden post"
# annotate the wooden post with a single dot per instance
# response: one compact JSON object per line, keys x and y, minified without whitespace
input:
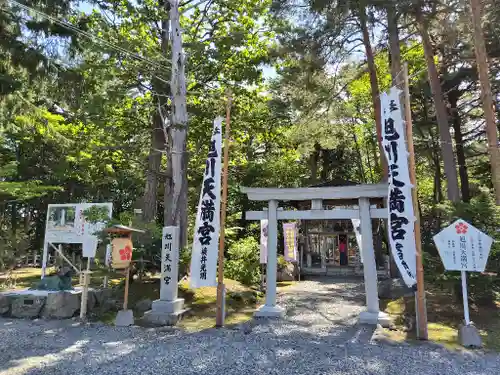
{"x":486,"y":97}
{"x":421,"y":309}
{"x":125,"y":296}
{"x":220,"y":270}
{"x":85,"y":291}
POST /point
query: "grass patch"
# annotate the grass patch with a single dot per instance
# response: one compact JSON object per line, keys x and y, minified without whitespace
{"x":444,"y":318}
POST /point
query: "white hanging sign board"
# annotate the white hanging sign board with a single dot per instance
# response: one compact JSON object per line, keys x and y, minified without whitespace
{"x":89,"y":246}
{"x":263,"y":241}
{"x":401,"y":218}
{"x":66,"y":223}
{"x":207,"y":227}
{"x":462,"y":247}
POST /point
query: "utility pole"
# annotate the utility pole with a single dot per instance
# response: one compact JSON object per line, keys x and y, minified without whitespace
{"x":486,"y":97}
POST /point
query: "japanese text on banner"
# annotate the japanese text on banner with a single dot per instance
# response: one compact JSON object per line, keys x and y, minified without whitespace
{"x":207,"y":226}
{"x":290,"y":237}
{"x":400,"y":206}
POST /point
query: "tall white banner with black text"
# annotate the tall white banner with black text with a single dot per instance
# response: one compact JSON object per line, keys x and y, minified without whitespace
{"x":207,"y":227}
{"x":401,"y":217}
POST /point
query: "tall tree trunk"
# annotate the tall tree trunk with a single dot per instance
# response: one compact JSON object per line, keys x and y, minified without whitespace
{"x":375,"y":92}
{"x":360,"y":159}
{"x":394,"y":48}
{"x":175,"y":199}
{"x":313,"y":164}
{"x":325,"y":170}
{"x":486,"y":97}
{"x":461,"y":161}
{"x":158,"y":131}
{"x":441,"y":114}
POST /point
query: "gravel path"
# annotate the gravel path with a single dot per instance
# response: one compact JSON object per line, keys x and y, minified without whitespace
{"x":319,"y":336}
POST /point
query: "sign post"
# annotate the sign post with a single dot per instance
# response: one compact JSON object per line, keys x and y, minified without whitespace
{"x":169,"y":308}
{"x":221,"y":289}
{"x":419,"y":268}
{"x":66,"y":223}
{"x":121,"y":258}
{"x":403,"y":215}
{"x":462,"y":247}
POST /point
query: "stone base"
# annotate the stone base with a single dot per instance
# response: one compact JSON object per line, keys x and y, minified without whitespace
{"x":469,"y":337}
{"x":124,"y":318}
{"x":367,"y":317}
{"x":270,"y":312}
{"x":158,"y":318}
{"x":165,"y":313}
{"x":169,"y":307}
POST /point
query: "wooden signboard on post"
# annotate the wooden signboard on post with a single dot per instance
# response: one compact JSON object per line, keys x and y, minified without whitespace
{"x":121,"y":257}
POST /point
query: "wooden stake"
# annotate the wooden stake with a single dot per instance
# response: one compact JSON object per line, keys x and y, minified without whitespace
{"x":421,"y":310}
{"x":219,"y":321}
{"x":486,"y":97}
{"x":127,"y":280}
{"x":85,"y":291}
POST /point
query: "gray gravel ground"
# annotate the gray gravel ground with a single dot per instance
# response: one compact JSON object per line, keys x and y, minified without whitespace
{"x":319,"y":336}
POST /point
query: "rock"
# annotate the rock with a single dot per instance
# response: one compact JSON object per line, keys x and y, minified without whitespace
{"x":124,"y":318}
{"x":110,"y":305}
{"x":246,"y":295}
{"x":393,"y":289}
{"x":61,"y":305}
{"x":27,"y":306}
{"x":4,"y":304}
{"x":143,"y":305}
{"x":101,"y":295}
{"x":287,"y":273}
{"x":469,"y":337}
{"x":91,"y":301}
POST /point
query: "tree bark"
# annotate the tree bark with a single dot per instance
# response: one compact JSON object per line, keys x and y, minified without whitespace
{"x":313,"y":161}
{"x":486,"y":97}
{"x":441,"y":114}
{"x":461,"y":161}
{"x":175,"y":199}
{"x":394,"y":48}
{"x":161,"y":91}
{"x":375,"y":91}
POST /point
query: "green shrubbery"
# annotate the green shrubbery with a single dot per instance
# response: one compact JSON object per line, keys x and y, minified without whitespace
{"x":243,"y":262}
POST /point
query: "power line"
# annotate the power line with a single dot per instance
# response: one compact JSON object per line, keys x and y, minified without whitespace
{"x":93,"y":38}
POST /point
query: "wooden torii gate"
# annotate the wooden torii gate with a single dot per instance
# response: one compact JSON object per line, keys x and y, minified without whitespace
{"x":361,"y":193}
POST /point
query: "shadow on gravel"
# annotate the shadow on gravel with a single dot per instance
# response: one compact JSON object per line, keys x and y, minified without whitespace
{"x":311,"y":340}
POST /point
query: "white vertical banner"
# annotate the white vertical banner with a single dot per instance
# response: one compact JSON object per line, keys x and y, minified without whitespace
{"x":401,"y":217}
{"x":263,"y":241}
{"x":207,"y":226}
{"x":169,"y":263}
{"x":356,"y":224}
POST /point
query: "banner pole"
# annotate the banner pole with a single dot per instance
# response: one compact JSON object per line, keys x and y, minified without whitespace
{"x":420,"y":295}
{"x":219,"y":320}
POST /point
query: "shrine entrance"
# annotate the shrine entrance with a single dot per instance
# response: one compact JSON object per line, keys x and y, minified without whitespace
{"x":333,"y":248}
{"x":346,"y":245}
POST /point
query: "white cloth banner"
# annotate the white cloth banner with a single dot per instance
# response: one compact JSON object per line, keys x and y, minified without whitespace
{"x":401,"y":217}
{"x":356,"y":223}
{"x":263,"y":241}
{"x":207,"y":227}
